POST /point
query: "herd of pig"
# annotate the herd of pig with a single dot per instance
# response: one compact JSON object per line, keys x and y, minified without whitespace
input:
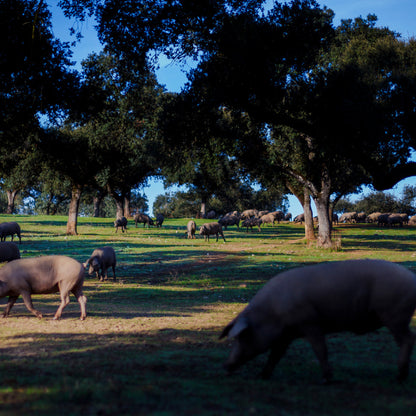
{"x":308,"y":302}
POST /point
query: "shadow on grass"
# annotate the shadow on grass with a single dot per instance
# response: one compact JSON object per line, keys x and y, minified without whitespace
{"x":178,"y":371}
{"x":380,"y":242}
{"x":115,"y":302}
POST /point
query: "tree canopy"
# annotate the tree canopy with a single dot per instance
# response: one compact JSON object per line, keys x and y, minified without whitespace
{"x":35,"y":82}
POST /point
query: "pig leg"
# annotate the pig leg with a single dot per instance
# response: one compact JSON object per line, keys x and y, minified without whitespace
{"x":29,"y":305}
{"x":82,"y":300}
{"x":64,"y":302}
{"x":10,"y":303}
{"x":405,"y":340}
{"x":114,"y":272}
{"x":276,"y":353}
{"x":317,"y":340}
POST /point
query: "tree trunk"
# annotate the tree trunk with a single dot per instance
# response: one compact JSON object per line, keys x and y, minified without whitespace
{"x":71,"y":227}
{"x":11,"y":196}
{"x":119,"y":207}
{"x":322,"y":199}
{"x":324,"y":235}
{"x":127,"y":205}
{"x":97,"y":206}
{"x":48,"y":205}
{"x":119,"y":200}
{"x":97,"y":201}
{"x":307,"y":212}
{"x":305,"y":200}
{"x":203,"y":208}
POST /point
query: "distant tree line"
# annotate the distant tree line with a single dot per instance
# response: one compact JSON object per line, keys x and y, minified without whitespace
{"x":186,"y":204}
{"x":381,"y":202}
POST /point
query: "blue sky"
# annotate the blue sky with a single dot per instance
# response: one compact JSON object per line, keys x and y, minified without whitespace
{"x":398,"y":15}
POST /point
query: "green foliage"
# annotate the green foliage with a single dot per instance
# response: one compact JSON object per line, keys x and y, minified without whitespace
{"x":186,"y":204}
{"x":34,"y":81}
{"x":119,"y":122}
{"x":381,"y":202}
{"x":378,"y":202}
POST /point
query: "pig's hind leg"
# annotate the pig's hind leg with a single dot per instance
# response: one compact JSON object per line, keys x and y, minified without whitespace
{"x":405,"y":339}
{"x":317,"y":340}
{"x":82,"y":300}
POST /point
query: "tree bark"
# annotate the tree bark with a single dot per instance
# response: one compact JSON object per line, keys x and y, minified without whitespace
{"x":119,"y":207}
{"x":11,"y":196}
{"x":322,"y":199}
{"x":203,"y":208}
{"x":324,"y":234}
{"x":305,"y":200}
{"x":71,"y":227}
{"x":127,"y":205}
{"x":97,"y":206}
{"x":119,"y":200}
{"x":307,"y":212}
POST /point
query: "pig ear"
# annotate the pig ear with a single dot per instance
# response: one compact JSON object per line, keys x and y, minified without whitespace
{"x":235,"y":328}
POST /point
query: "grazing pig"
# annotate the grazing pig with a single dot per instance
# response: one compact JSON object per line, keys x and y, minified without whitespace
{"x":144,"y":218}
{"x":101,"y":259}
{"x":39,"y":275}
{"x":309,"y":302}
{"x":9,"y":228}
{"x":248,"y":213}
{"x":278,"y":216}
{"x":251,"y":222}
{"x":191,"y":228}
{"x":227,"y":220}
{"x":299,"y":218}
{"x":8,"y":251}
{"x":268,"y":218}
{"x":121,"y":223}
{"x":159,"y":220}
{"x":210,"y":215}
{"x":211,"y":228}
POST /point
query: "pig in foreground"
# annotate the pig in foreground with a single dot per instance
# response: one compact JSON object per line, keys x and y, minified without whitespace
{"x":101,"y":259}
{"x":310,"y":302}
{"x":8,"y":251}
{"x":40,"y":275}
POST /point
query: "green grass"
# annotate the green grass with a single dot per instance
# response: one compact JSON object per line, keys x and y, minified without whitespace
{"x":149,"y":345}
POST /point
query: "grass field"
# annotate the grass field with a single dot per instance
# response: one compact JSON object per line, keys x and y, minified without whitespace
{"x":149,"y":345}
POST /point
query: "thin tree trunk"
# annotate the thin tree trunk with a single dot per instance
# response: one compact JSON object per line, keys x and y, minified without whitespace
{"x":322,"y":207}
{"x":71,"y":227}
{"x":119,"y":200}
{"x":119,"y":208}
{"x":324,"y":235}
{"x":305,"y":200}
{"x":11,"y":196}
{"x":97,"y":206}
{"x":307,"y":211}
{"x":127,"y":205}
{"x":203,"y":211}
{"x":48,"y":205}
